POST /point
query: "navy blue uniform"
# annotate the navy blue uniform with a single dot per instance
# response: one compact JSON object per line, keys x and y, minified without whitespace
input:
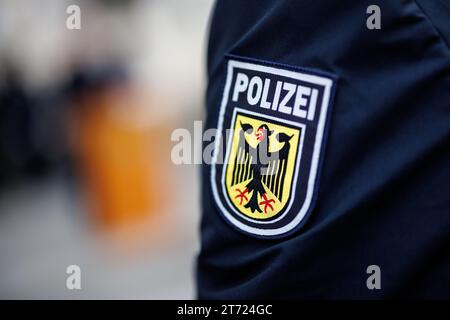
{"x":368,"y":112}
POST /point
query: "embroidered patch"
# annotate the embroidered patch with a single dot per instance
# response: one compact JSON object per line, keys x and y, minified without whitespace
{"x":264,"y":173}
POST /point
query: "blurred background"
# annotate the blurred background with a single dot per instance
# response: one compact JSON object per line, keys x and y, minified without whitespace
{"x":85,"y":136}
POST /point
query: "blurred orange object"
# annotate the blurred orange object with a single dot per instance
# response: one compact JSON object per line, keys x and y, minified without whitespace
{"x":123,"y":157}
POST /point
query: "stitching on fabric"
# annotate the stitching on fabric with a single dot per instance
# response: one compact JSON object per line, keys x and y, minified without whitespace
{"x":435,"y":28}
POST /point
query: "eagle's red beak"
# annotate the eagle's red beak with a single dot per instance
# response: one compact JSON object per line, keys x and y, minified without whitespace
{"x":260,"y":134}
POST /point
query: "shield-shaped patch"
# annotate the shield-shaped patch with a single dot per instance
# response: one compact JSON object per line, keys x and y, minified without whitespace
{"x":273,"y":121}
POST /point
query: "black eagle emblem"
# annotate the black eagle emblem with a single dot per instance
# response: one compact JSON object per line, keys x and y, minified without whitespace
{"x":260,"y":166}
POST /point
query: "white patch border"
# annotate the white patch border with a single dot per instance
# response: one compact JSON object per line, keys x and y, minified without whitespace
{"x":327,"y":83}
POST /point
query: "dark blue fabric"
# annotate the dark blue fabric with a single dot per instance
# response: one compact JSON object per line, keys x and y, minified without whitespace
{"x":384,"y":192}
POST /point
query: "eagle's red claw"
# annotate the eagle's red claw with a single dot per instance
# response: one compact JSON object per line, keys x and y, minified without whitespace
{"x":241,"y":196}
{"x":267,"y":203}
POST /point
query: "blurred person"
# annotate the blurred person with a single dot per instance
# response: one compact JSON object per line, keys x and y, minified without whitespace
{"x":23,"y":124}
{"x":359,"y":122}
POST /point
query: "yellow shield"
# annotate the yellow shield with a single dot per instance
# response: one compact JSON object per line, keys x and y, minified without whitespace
{"x":261,"y":189}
